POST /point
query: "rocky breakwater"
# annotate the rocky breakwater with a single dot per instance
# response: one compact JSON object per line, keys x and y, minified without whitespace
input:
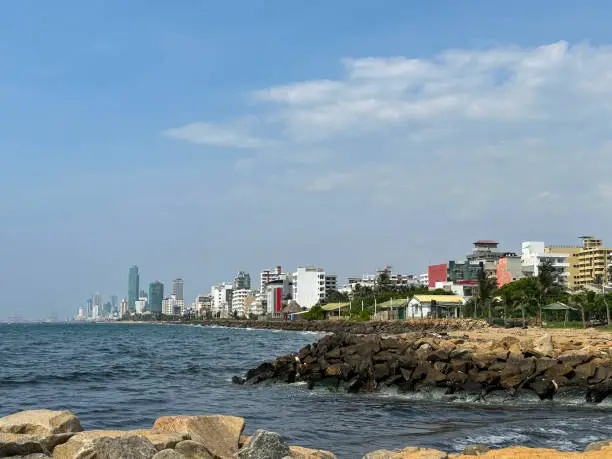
{"x":43,"y":433}
{"x":449,"y":366}
{"x":347,"y":326}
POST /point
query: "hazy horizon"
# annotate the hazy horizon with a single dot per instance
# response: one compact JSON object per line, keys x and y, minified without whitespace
{"x":199,"y":139}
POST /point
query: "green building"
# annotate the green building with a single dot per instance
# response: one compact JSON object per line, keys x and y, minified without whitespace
{"x":156,"y":296}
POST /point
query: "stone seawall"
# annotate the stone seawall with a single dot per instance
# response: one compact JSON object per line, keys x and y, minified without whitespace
{"x":40,"y":434}
{"x":453,"y":367}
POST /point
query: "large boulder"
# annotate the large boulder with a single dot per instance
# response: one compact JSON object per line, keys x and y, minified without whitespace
{"x":41,"y":422}
{"x":412,"y":452}
{"x":105,"y":444}
{"x":23,"y":444}
{"x":220,"y":434}
{"x":599,"y":446}
{"x":264,"y":445}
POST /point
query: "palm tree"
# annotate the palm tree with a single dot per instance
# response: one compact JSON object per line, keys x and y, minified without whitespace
{"x":546,"y":282}
{"x":599,"y":281}
{"x":578,"y":298}
{"x":486,"y":288}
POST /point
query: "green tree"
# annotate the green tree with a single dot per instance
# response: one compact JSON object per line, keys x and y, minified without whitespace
{"x":383,"y":280}
{"x":486,"y":289}
{"x":315,"y":313}
{"x":599,"y":281}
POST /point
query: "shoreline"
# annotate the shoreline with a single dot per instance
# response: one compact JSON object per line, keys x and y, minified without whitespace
{"x":39,"y":434}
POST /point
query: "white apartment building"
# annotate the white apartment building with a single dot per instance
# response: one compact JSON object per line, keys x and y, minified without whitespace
{"x":238,"y":298}
{"x":269,"y":275}
{"x":310,"y":285}
{"x":533,"y":255}
{"x":396,"y":280}
{"x":140,"y":305}
{"x":168,"y":305}
{"x":221,"y":296}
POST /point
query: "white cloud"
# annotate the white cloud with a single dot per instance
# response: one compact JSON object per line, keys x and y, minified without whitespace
{"x":219,"y":136}
{"x":463,"y":132}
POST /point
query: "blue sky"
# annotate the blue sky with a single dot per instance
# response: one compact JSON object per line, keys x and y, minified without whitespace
{"x":197,"y":139}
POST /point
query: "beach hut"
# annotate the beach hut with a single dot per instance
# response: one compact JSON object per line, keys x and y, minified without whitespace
{"x":394,"y":309}
{"x":558,"y":306}
{"x":335,"y":310}
{"x":438,"y":306}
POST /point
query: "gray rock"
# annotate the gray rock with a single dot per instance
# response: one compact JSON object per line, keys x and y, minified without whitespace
{"x":476,"y":450}
{"x":168,"y":454}
{"x":596,"y":446}
{"x":264,"y":445}
{"x":193,"y":450}
{"x":105,"y":445}
{"x":24,"y":444}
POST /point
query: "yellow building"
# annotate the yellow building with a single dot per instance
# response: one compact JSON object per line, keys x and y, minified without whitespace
{"x":571,"y":250}
{"x":587,"y":262}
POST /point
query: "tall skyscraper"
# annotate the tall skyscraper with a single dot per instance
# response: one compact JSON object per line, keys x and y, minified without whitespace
{"x":89,"y":307}
{"x":156,"y":296}
{"x":114,"y":303}
{"x":177,"y":288}
{"x":97,"y":304}
{"x":133,"y":287}
{"x":242,"y":281}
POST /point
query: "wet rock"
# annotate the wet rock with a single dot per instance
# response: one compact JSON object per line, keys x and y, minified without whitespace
{"x":476,"y":450}
{"x":264,"y":445}
{"x":220,"y":434}
{"x":194,"y":450}
{"x":238,"y":380}
{"x":412,"y":452}
{"x":41,"y":422}
{"x":544,"y":388}
{"x":102,"y":444}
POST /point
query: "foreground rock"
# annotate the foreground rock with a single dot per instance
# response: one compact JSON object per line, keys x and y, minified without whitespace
{"x":219,"y":434}
{"x":199,"y":437}
{"x":454,"y":366}
{"x":264,"y":445}
{"x":36,"y":431}
{"x":106,"y":444}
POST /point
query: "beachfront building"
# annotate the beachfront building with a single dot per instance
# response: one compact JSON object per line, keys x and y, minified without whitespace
{"x":591,"y":263}
{"x":509,"y":269}
{"x":269,"y":275}
{"x":242,"y":281}
{"x":170,"y":306}
{"x":141,"y":305}
{"x":203,"y":304}
{"x":124,"y":307}
{"x":533,"y":255}
{"x":221,"y":295}
{"x":238,"y":301}
{"x":309,"y":286}
{"x":434,"y":306}
{"x":395,"y":280}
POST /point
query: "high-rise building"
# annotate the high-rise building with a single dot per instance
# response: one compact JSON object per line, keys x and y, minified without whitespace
{"x":238,"y":301}
{"x":309,"y":286}
{"x":124,"y":307}
{"x":143,"y":294}
{"x":221,"y":299}
{"x":177,"y":288}
{"x":592,"y":262}
{"x":114,"y":303}
{"x":156,"y":296}
{"x":133,"y":288}
{"x":97,"y":304}
{"x":89,"y":307}
{"x":242,"y":281}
